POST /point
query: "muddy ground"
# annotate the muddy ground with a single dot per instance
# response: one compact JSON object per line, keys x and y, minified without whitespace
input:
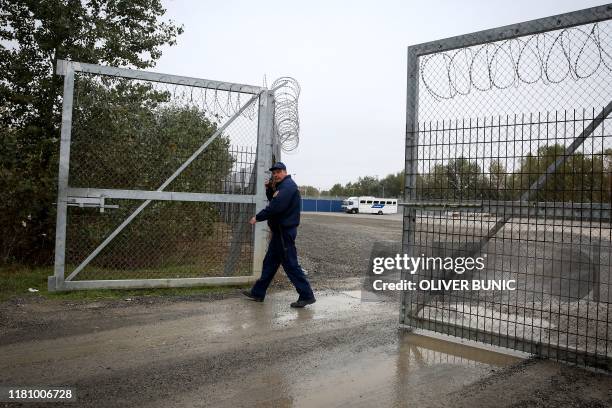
{"x":222,"y":350}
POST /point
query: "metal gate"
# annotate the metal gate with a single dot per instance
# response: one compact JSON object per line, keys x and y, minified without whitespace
{"x":158,"y":177}
{"x":509,"y":158}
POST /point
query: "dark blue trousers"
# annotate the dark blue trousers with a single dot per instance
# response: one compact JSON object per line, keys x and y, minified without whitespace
{"x":281,"y":251}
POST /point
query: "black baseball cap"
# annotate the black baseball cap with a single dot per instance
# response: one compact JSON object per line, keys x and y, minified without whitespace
{"x":278,"y":166}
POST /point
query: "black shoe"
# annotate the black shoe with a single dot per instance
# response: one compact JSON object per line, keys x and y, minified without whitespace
{"x":248,"y":294}
{"x":302,"y":303}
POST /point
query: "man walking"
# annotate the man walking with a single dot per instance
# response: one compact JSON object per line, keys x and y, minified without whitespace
{"x":283,"y":216}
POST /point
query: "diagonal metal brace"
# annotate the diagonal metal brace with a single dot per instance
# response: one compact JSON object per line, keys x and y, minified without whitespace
{"x":552,"y":169}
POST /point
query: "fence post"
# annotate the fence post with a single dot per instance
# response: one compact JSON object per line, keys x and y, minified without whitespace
{"x":263,"y":160}
{"x":409,"y":218}
{"x":56,"y":282}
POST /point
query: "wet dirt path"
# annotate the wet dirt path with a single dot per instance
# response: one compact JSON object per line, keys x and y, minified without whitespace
{"x":234,"y":352}
{"x":224,"y":351}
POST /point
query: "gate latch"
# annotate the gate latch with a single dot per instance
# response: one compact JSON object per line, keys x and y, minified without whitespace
{"x":90,"y":202}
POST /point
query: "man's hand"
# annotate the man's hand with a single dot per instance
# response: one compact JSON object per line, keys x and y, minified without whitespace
{"x":270,"y":184}
{"x":252,"y":221}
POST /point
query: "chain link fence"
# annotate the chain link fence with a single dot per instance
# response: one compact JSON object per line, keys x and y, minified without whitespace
{"x":159,"y":175}
{"x":509,"y":158}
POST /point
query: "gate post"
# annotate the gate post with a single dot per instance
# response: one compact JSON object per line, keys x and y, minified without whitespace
{"x":410,"y":173}
{"x":264,"y":161}
{"x":56,"y":282}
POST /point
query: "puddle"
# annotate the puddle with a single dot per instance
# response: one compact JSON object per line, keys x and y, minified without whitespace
{"x":414,"y":371}
{"x":276,"y":309}
{"x":417,"y":369}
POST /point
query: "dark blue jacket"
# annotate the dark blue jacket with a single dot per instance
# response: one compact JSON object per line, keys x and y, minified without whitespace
{"x":284,"y":207}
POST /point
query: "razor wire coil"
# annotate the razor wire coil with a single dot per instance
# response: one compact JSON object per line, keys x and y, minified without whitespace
{"x":551,"y":57}
{"x":286,"y":116}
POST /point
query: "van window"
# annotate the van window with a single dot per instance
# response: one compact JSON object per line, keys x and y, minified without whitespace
{"x":369,"y":201}
{"x":362,"y":202}
{"x":375,"y":202}
{"x":394,"y":202}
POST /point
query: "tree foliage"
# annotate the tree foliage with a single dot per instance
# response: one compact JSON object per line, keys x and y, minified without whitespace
{"x":390,"y":186}
{"x":309,"y":191}
{"x":33,"y":35}
{"x":582,"y":178}
{"x":144,"y":138}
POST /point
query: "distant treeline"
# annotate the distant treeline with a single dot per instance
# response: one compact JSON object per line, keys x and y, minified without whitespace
{"x":390,"y":186}
{"x":582,"y":178}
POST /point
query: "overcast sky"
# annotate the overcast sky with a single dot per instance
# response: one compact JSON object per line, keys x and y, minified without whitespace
{"x":349,"y":58}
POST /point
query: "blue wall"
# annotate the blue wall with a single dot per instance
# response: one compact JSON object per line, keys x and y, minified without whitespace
{"x":321,"y":205}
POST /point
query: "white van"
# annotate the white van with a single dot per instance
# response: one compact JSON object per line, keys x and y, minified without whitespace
{"x":370,"y":205}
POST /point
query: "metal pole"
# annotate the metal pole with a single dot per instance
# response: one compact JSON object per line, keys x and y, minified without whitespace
{"x":541,"y":25}
{"x":409,"y":222}
{"x":63,"y":66}
{"x":263,"y":160}
{"x":56,"y":282}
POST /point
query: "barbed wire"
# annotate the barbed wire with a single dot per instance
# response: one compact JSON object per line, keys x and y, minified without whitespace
{"x":220,"y":104}
{"x":217,"y":103}
{"x":550,"y":58}
{"x":286,"y":115}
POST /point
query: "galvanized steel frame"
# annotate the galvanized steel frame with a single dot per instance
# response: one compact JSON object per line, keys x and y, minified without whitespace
{"x":265,"y":98}
{"x":65,"y":67}
{"x":557,"y":22}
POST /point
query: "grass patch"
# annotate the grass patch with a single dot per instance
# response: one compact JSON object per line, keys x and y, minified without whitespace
{"x":16,"y":280}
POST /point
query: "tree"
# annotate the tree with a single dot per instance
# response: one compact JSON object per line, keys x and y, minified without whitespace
{"x":392,"y":185}
{"x":581,"y":178}
{"x":337,"y":190}
{"x":498,"y":182}
{"x":460,"y":179}
{"x":435,"y":184}
{"x":465,"y":179}
{"x":309,"y":191}
{"x":368,"y":185}
{"x":34,"y":35}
